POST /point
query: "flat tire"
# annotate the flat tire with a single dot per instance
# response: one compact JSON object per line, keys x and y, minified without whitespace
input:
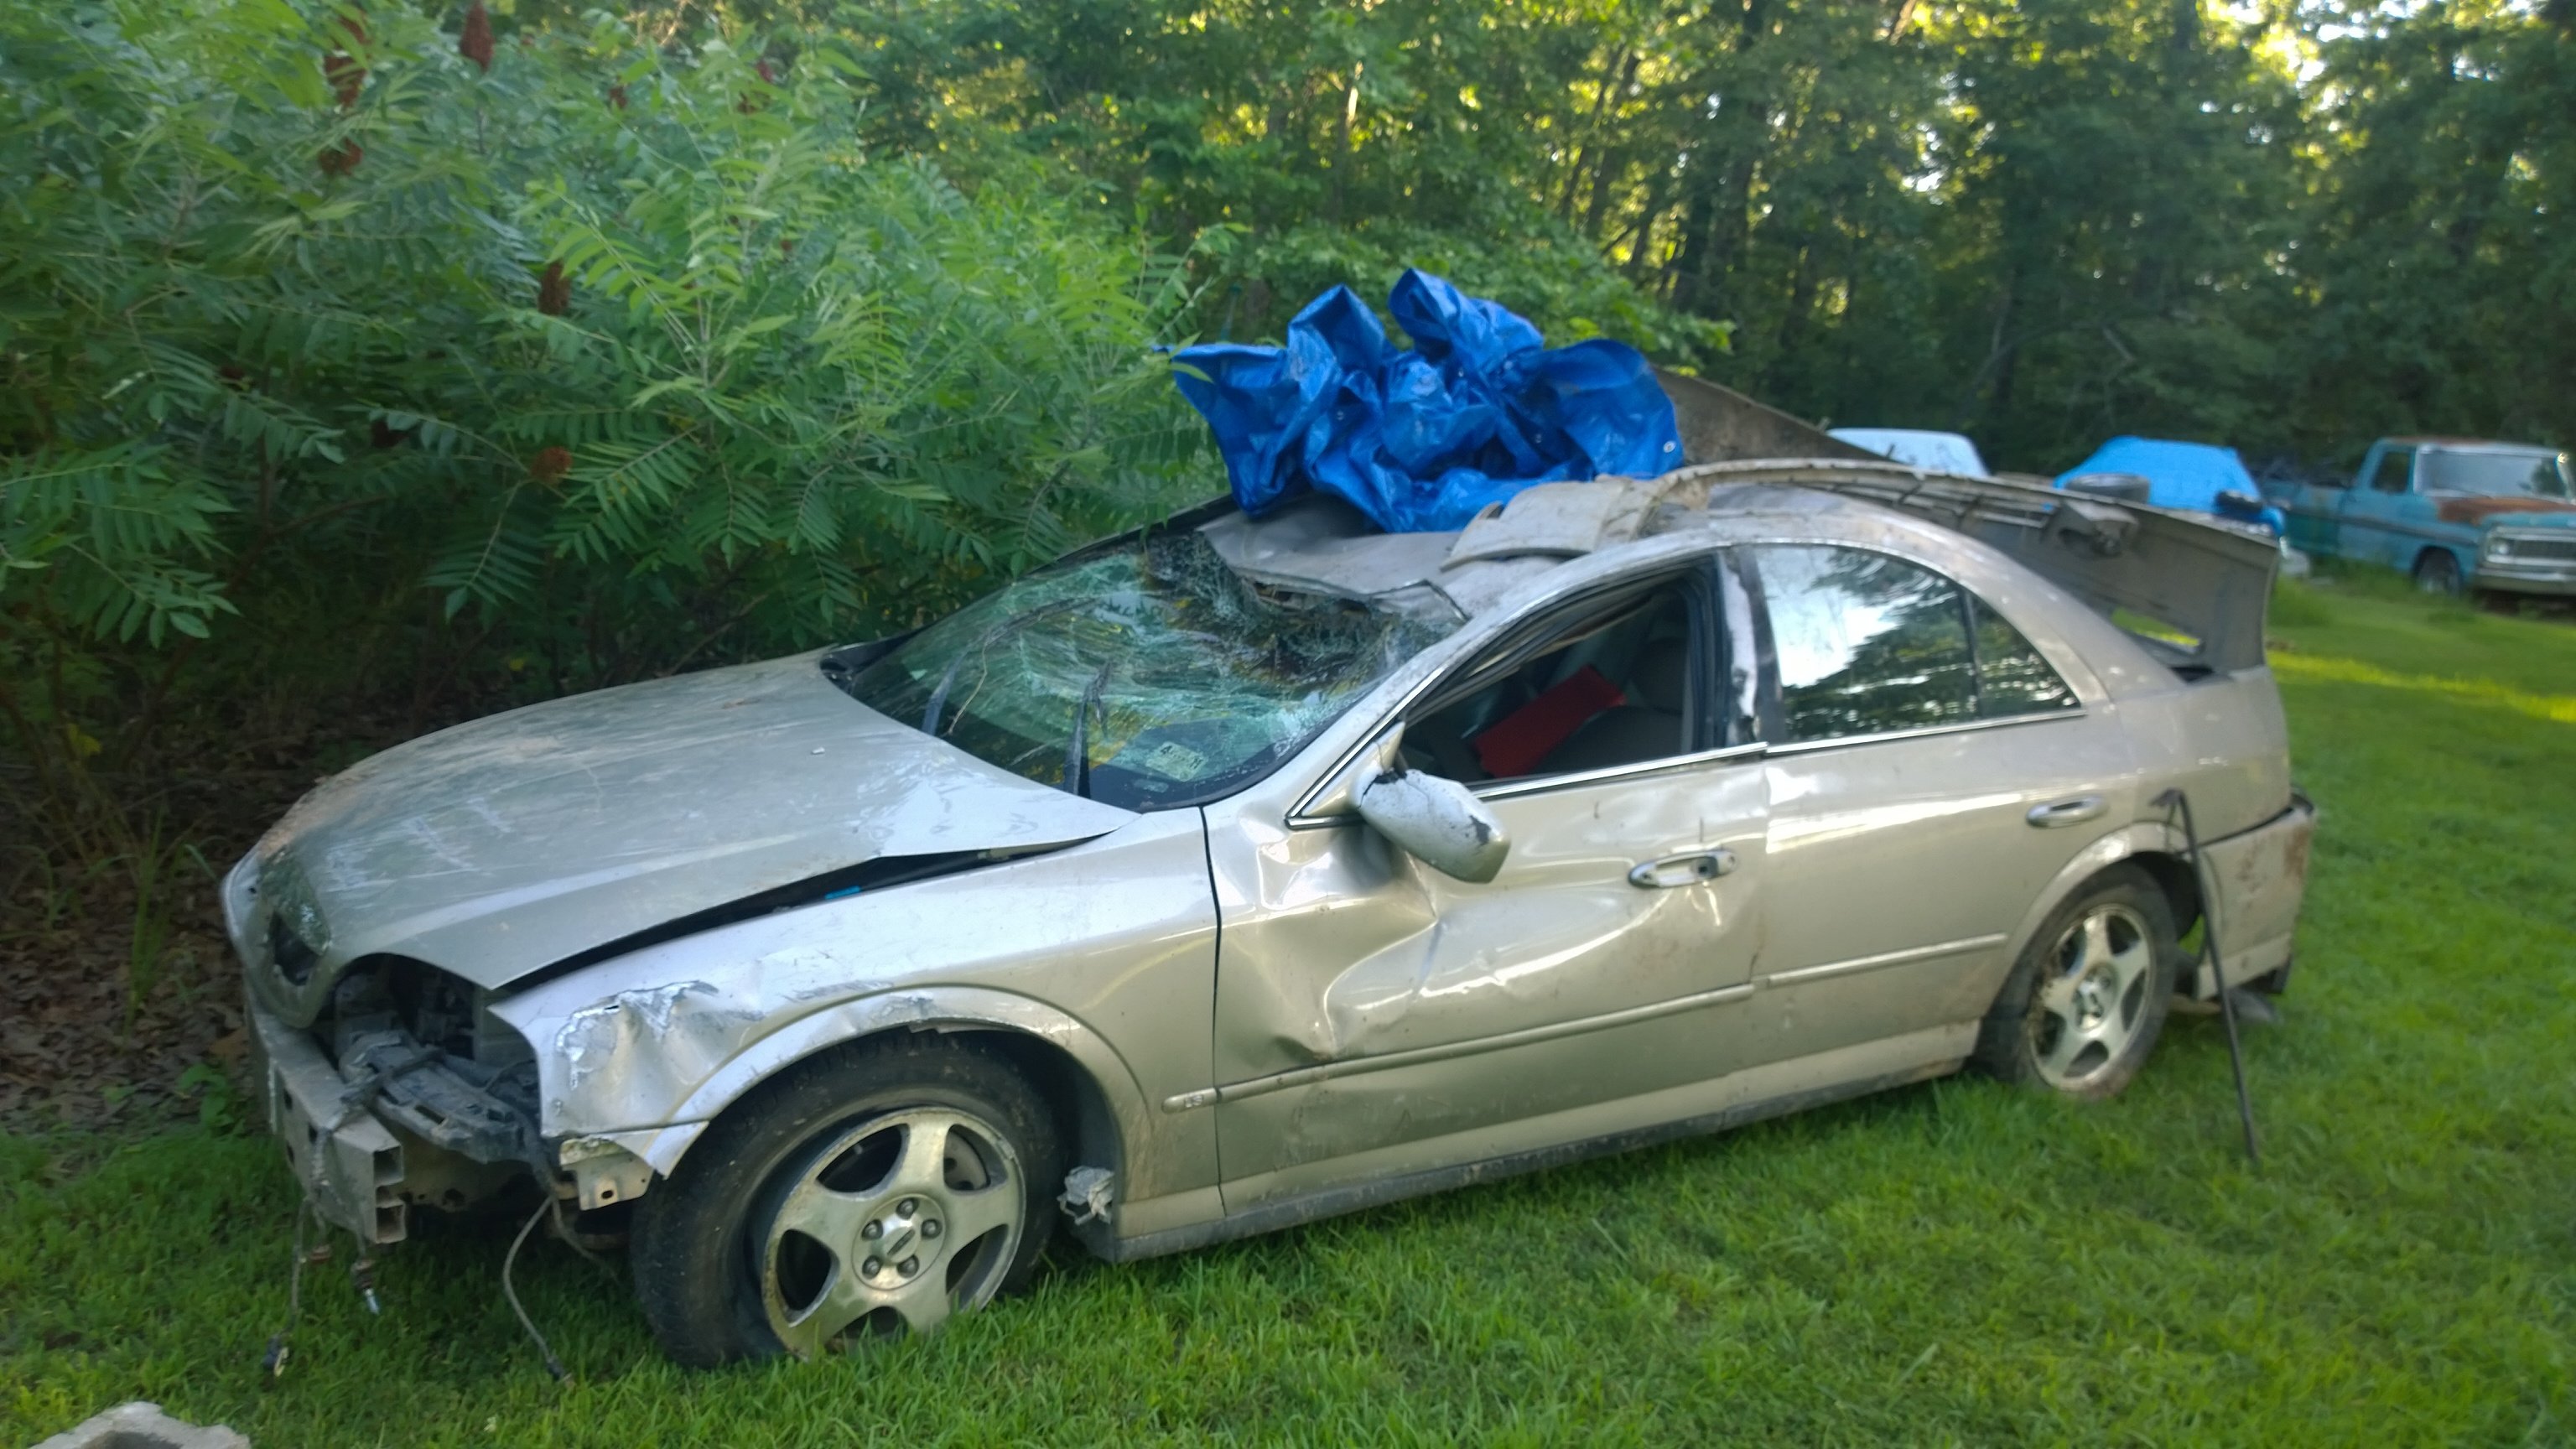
{"x":878,"y":1189}
{"x":2089,"y":996}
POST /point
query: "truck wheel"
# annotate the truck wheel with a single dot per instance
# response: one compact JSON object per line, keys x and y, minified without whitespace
{"x":2438,"y":573}
{"x":878,"y":1189}
{"x":2085,"y":1003}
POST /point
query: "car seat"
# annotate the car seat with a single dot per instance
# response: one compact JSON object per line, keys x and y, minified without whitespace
{"x":1647,"y":726}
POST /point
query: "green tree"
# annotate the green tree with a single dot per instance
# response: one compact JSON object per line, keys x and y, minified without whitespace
{"x":337,"y":349}
{"x":2440,"y":254}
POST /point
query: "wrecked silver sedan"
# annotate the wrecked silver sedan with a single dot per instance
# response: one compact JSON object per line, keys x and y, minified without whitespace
{"x":1233,"y":873}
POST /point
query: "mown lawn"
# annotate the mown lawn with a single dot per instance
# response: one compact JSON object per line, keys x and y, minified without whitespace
{"x":1950,"y":1263}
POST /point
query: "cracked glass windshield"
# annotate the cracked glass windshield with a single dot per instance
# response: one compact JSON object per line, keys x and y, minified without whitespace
{"x":1146,"y":675}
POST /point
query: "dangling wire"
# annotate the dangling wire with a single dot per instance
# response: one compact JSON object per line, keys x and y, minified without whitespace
{"x":272,"y":1363}
{"x":554,"y":1365}
{"x":563,"y":1230}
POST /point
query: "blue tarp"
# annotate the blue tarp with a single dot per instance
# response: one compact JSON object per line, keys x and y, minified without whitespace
{"x":2197,"y":476}
{"x":1420,"y":441}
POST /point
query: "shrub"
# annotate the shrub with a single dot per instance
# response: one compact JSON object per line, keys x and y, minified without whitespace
{"x":571,"y":350}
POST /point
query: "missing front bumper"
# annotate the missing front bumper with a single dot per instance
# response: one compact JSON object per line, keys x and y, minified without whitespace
{"x":367,"y":1145}
{"x":348,"y":1162}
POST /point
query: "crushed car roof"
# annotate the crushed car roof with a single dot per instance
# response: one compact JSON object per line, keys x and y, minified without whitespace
{"x":2170,"y":566}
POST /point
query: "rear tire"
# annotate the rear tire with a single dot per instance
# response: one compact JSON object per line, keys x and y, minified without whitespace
{"x":877,"y":1188}
{"x":2086,"y":1001}
{"x":2438,"y":573}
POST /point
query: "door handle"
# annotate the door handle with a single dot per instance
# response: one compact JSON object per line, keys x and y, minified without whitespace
{"x":2066,"y":812}
{"x":1688,"y":868}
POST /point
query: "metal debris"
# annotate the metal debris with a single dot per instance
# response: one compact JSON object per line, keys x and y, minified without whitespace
{"x":1087,"y":1194}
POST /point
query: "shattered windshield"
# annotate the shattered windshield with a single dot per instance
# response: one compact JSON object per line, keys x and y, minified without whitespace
{"x":1146,"y":674}
{"x":2497,"y":474}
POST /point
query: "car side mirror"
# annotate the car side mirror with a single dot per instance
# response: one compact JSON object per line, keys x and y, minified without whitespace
{"x":1438,"y":822}
{"x":1338,"y":798}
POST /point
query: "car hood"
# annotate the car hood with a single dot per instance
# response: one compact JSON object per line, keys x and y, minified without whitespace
{"x":504,"y":845}
{"x":2517,"y":508}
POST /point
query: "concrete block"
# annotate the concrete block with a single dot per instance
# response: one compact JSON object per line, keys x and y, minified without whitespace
{"x":139,"y":1425}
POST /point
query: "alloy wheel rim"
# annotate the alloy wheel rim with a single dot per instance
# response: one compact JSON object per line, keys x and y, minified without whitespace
{"x":895,"y":1224}
{"x":2094,"y":998}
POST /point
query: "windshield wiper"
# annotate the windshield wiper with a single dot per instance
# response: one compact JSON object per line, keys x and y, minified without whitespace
{"x":1077,"y":759}
{"x":1006,"y":628}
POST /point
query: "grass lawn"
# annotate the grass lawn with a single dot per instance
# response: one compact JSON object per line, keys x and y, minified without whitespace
{"x":1948,"y":1263}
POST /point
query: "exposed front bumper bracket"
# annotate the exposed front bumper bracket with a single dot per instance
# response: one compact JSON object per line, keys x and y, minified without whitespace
{"x":350,"y":1164}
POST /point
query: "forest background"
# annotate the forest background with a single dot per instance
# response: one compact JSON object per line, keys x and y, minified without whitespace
{"x":367,"y":367}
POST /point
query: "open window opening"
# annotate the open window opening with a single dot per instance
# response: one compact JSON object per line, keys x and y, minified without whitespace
{"x":1612,"y":683}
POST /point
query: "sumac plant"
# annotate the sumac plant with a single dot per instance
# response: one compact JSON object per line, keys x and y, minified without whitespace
{"x":332,"y":338}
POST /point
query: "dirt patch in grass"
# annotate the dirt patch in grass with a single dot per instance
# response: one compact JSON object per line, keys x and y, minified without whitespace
{"x":89,"y":1041}
{"x":120,"y":1002}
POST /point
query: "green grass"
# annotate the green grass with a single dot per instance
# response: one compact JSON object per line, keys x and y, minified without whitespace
{"x":1950,"y":1263}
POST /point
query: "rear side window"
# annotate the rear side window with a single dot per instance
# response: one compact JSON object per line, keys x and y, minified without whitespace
{"x":1866,"y":644}
{"x":2011,"y":677}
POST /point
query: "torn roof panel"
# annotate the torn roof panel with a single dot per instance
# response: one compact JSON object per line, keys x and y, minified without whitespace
{"x":2174,"y":566}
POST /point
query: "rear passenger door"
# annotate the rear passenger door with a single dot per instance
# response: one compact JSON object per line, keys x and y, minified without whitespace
{"x":1929,"y":773}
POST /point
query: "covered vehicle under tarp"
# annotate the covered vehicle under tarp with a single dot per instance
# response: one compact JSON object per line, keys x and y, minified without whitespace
{"x":2200,"y":477}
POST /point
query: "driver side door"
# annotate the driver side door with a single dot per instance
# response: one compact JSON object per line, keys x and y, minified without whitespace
{"x":1375,"y":1017}
{"x":2382,"y":517}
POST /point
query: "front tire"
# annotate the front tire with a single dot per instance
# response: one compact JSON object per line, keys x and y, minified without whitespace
{"x":2086,"y":1001}
{"x":2438,"y":573}
{"x":879,"y":1188}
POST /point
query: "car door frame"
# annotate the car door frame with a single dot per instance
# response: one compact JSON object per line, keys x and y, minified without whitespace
{"x":2386,"y":526}
{"x":1961,"y":974}
{"x":1279,"y":826}
{"x":1329,"y":762}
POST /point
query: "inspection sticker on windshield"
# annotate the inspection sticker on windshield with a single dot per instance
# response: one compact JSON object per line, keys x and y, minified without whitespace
{"x":1175,"y":761}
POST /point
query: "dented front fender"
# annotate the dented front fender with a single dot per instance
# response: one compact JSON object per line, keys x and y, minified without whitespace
{"x":1099,"y":951}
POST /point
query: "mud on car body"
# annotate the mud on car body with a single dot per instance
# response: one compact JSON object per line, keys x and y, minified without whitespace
{"x":1235,"y":872}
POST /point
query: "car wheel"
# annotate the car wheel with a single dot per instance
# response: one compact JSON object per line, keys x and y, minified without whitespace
{"x":2437,"y":572}
{"x":876,"y":1190}
{"x":2088,"y":997}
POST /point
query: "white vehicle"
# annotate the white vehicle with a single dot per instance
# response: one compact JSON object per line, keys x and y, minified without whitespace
{"x":1938,"y":452}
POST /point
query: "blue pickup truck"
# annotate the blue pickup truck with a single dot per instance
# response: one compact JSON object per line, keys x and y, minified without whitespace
{"x":2455,"y":513}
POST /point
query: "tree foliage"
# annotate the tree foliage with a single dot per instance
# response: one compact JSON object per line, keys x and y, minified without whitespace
{"x":512,"y":349}
{"x":2043,"y":222}
{"x":591,"y":358}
